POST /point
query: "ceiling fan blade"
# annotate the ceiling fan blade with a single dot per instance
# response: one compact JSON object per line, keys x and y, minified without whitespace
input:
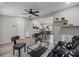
{"x":36,"y":12}
{"x":26,"y":10}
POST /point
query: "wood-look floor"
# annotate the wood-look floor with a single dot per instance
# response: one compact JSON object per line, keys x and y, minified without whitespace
{"x":8,"y":47}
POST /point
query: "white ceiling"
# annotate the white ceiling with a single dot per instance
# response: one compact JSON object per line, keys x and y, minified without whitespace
{"x":44,"y":8}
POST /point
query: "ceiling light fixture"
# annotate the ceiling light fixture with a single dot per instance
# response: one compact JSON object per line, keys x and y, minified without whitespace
{"x":68,"y":2}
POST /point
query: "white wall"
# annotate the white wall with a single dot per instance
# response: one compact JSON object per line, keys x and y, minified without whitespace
{"x":11,"y":26}
{"x":0,"y":30}
{"x":71,"y":14}
{"x":28,"y":28}
{"x":45,"y":20}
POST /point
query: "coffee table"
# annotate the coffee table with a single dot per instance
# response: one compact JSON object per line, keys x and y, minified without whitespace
{"x":37,"y":49}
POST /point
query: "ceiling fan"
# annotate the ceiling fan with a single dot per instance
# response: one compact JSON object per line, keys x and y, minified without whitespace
{"x":30,"y":11}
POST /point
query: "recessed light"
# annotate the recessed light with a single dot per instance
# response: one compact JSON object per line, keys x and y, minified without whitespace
{"x":68,"y":2}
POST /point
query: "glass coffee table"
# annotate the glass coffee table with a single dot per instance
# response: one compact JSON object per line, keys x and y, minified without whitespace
{"x":37,"y":49}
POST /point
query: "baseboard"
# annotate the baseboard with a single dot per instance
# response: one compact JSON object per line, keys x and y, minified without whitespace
{"x":5,"y":42}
